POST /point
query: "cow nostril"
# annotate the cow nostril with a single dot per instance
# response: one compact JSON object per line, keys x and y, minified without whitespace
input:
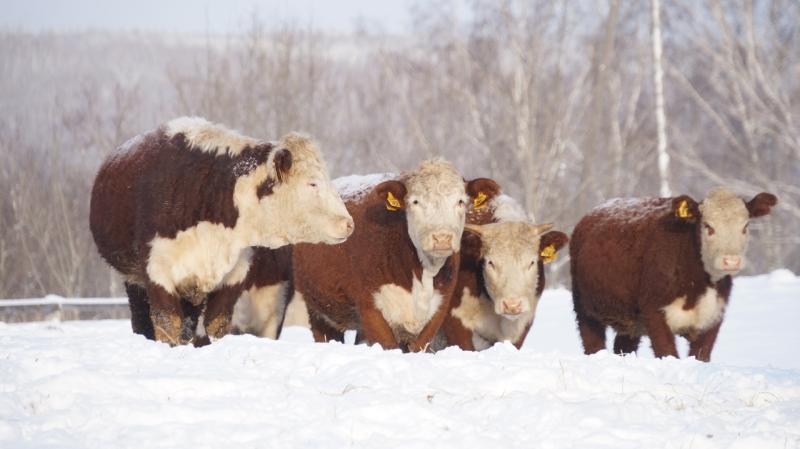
{"x":512,"y":306}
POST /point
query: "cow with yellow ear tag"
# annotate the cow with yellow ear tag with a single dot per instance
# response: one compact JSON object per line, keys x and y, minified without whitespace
{"x":660,"y":267}
{"x":501,"y":276}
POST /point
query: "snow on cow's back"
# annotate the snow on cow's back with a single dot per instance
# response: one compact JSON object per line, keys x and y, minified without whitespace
{"x":630,"y":210}
{"x":355,"y":187}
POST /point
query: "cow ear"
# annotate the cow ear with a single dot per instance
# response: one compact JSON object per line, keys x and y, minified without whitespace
{"x":550,"y":243}
{"x":283,"y":163}
{"x":471,"y":244}
{"x":482,"y":190}
{"x":685,"y":209}
{"x":392,"y":193}
{"x":761,"y":204}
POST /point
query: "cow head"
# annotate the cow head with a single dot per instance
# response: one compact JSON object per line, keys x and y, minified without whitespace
{"x":296,"y":200}
{"x":721,"y":221}
{"x":509,"y":255}
{"x":434,"y":199}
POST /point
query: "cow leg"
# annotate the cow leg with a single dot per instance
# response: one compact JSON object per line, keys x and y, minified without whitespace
{"x":360,"y":338}
{"x":219,"y":310}
{"x":288,"y":294}
{"x":701,"y":346}
{"x":457,"y":334}
{"x":423,"y":341}
{"x":626,"y":344}
{"x":322,"y":330}
{"x":661,"y":336}
{"x":166,"y":315}
{"x":374,"y":325}
{"x":593,"y":333}
{"x":140,"y":310}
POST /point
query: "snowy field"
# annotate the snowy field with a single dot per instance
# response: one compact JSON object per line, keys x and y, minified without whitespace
{"x":96,"y":385}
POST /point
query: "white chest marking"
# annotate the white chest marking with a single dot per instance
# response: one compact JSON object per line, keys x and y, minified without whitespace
{"x":477,"y":315}
{"x":409,"y":311}
{"x":204,"y":255}
{"x":707,"y":312}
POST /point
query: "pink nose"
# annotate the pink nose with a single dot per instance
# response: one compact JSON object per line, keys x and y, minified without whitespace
{"x":731,"y":262}
{"x":442,"y":241}
{"x":512,"y":306}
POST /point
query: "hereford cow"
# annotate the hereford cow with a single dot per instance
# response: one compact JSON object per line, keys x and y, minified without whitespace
{"x":177,"y":210}
{"x":659,"y":267}
{"x":501,"y":276}
{"x":392,"y":280}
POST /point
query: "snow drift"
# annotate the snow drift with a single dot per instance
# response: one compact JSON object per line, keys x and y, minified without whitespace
{"x":95,"y":384}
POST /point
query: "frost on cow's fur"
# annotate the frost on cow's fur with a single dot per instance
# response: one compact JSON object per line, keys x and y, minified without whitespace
{"x":211,"y":137}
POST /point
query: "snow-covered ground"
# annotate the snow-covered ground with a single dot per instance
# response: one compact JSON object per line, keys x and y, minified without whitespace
{"x":95,"y":384}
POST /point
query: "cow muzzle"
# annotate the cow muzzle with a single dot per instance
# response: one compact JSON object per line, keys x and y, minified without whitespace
{"x":441,"y":244}
{"x":343,"y":228}
{"x":731,"y":263}
{"x":511,"y":308}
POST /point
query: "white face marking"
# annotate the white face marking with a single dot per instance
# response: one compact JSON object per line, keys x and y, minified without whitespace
{"x":723,"y":233}
{"x":210,"y":137}
{"x":479,"y":316}
{"x":510,"y":253}
{"x":707,"y":312}
{"x":435,"y":205}
{"x":409,"y":312}
{"x":258,"y":311}
{"x":305,"y":207}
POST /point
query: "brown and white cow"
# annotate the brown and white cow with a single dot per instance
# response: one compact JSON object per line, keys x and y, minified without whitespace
{"x":177,"y":210}
{"x":392,"y":280}
{"x":501,"y":276}
{"x":660,"y":267}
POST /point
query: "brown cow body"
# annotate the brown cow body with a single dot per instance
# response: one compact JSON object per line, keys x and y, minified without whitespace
{"x":177,"y":210}
{"x":647,"y":267}
{"x":377,"y":282}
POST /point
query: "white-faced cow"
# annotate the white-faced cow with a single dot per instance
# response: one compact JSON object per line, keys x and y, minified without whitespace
{"x":392,"y":280}
{"x":501,"y":276}
{"x":177,"y":210}
{"x":660,"y":267}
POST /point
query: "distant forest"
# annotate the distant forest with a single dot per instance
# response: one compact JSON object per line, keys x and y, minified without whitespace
{"x":553,"y":99}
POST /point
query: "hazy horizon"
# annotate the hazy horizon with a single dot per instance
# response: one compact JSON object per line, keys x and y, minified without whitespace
{"x":200,"y":16}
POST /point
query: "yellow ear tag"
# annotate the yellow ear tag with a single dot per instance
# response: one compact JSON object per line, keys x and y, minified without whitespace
{"x":683,"y":210}
{"x":548,"y":254}
{"x":392,"y":203}
{"x":480,"y":201}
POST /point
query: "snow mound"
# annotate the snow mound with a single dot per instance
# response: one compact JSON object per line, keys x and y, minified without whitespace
{"x":94,"y":384}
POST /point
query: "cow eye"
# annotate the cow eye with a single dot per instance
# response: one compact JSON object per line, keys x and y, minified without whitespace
{"x":490,"y":263}
{"x":415,"y":202}
{"x":312,"y":184}
{"x":462,"y":203}
{"x":709,"y":229}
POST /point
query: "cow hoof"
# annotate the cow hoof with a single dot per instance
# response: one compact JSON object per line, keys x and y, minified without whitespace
{"x":167,"y":328}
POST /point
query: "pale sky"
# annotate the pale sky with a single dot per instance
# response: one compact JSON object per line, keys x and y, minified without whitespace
{"x":199,"y":16}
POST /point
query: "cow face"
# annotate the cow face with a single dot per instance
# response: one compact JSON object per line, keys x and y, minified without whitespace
{"x":302,"y":194}
{"x":510,"y":253}
{"x":721,"y":220}
{"x":434,"y":199}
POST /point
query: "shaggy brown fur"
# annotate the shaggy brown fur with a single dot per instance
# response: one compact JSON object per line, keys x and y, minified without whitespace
{"x":338,"y":282}
{"x":632,"y":258}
